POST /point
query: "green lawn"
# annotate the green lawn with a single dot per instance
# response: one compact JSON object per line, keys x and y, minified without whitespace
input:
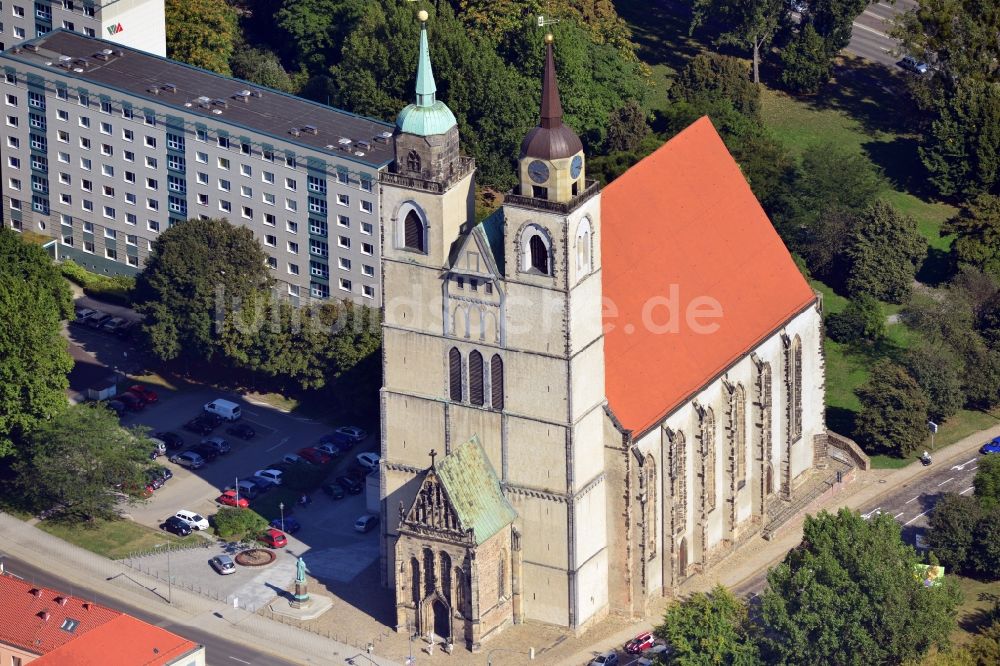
{"x":979,"y":599}
{"x":114,"y":538}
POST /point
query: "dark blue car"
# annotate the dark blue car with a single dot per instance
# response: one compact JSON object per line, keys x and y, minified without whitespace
{"x":291,"y":525}
{"x":993,"y":446}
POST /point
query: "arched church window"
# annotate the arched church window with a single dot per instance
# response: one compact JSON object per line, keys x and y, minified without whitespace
{"x":413,"y":161}
{"x":539,"y":254}
{"x":708,"y":457}
{"x":429,"y":581}
{"x":455,"y":374}
{"x":415,"y":579}
{"x":794,"y":382}
{"x":476,"y":378}
{"x":583,"y":248}
{"x":502,"y":575}
{"x":413,"y":232}
{"x":446,"y":576}
{"x":738,"y":409}
{"x":496,"y":382}
{"x":459,"y":591}
{"x":679,"y":473}
{"x":651,"y":495}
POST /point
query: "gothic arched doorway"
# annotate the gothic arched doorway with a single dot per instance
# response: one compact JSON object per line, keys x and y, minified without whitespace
{"x":442,"y":621}
{"x":682,"y":559}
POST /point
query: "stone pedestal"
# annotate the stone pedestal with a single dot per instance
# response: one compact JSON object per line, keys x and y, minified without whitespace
{"x":301,"y":597}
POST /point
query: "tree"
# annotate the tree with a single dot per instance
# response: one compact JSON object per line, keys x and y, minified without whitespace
{"x":235,"y":524}
{"x":76,"y":460}
{"x":743,"y":23}
{"x":861,"y":322}
{"x":883,"y":251}
{"x":987,"y":482}
{"x":260,"y":67}
{"x":984,"y":557}
{"x":34,"y":362}
{"x":318,"y":28}
{"x":198,"y":268}
{"x":958,"y":36}
{"x":626,"y":128}
{"x":710,"y":78}
{"x":848,"y":594}
{"x":202,"y":33}
{"x":708,"y":628}
{"x":977,"y":234}
{"x":937,"y":369}
{"x":806,"y":62}
{"x":893,"y":416}
{"x":833,"y":21}
{"x":952,"y":524}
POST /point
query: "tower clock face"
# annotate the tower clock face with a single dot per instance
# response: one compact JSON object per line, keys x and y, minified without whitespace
{"x":538,"y":171}
{"x":575,"y":167}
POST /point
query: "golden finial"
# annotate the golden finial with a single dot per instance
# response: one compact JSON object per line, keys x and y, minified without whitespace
{"x":549,"y":38}
{"x":423,"y":15}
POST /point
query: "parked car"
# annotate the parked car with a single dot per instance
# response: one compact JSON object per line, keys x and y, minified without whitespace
{"x":200,"y":425}
{"x":82,"y":315}
{"x":189,"y":459}
{"x":159,"y":446}
{"x":148,"y":396}
{"x":131,"y":401}
{"x":98,"y":319}
{"x":249,"y":489}
{"x":330,"y":449}
{"x":241,"y":430}
{"x":223,"y":564}
{"x":274,"y":538}
{"x":177,"y":526}
{"x":172,"y":440}
{"x":365,"y":523}
{"x":194,"y":520}
{"x":992,"y":446}
{"x":341,"y":441}
{"x":368,"y":460}
{"x":314,"y":455}
{"x":334,"y":490}
{"x":609,"y":658}
{"x":230,"y":498}
{"x":640,"y":643}
{"x":112,"y":325}
{"x":289,"y":525}
{"x":220,"y":445}
{"x":272,"y":476}
{"x":912,"y":64}
{"x":125,"y":330}
{"x":160,"y":472}
{"x":224,"y":409}
{"x":155,"y":482}
{"x":353,"y":433}
{"x":206,"y":451}
{"x":350,"y":485}
{"x":117,"y":406}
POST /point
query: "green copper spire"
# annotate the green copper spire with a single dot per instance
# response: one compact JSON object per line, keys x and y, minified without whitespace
{"x":428,"y":116}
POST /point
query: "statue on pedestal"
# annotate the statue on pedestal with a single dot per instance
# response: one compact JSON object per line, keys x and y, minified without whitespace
{"x":301,"y":597}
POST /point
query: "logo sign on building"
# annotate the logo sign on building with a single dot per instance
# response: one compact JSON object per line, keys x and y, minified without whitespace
{"x":115,"y":29}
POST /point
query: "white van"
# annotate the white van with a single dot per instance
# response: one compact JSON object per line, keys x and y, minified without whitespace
{"x":229,"y":411}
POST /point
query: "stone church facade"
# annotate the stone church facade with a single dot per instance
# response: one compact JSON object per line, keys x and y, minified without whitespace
{"x":610,"y":459}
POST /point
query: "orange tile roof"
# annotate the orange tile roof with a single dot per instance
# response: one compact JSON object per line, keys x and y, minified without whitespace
{"x":683,"y":223}
{"x":124,"y":641}
{"x":32,"y":618}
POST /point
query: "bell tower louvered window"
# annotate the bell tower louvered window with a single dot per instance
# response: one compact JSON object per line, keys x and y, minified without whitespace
{"x":413,"y":161}
{"x":413,"y":232}
{"x":476,"y":396}
{"x":496,"y":382}
{"x":539,"y":255}
{"x":455,"y":375}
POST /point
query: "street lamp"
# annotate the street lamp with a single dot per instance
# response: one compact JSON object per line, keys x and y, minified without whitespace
{"x":281,"y":508}
{"x":170,"y":594}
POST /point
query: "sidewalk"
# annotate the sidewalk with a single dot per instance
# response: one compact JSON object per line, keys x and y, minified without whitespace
{"x":758,"y":555}
{"x":109,"y":577}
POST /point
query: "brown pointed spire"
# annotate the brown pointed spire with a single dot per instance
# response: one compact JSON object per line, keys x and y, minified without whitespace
{"x":551,"y":106}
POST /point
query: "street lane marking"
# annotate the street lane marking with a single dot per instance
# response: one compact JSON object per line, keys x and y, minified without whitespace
{"x":945,"y":481}
{"x":962,"y":466}
{"x":973,"y":469}
{"x":871,"y":30}
{"x":868,"y":515}
{"x":915,"y":517}
{"x":912,"y":500}
{"x":898,"y":515}
{"x":281,"y":443}
{"x":239,"y":660}
{"x":966,"y":490}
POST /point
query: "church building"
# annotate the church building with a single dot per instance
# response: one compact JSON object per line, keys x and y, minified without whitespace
{"x":591,"y":395}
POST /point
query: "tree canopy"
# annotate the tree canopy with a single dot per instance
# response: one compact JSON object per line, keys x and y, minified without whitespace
{"x":34,"y":362}
{"x":78,"y":461}
{"x":893,"y":416}
{"x":987,"y":482}
{"x":977,"y":234}
{"x":708,"y":628}
{"x":202,"y":33}
{"x":882,"y":252}
{"x":848,"y":594}
{"x":748,"y":24}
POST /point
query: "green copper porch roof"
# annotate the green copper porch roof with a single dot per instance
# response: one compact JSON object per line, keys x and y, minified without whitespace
{"x":474,"y":490}
{"x":428,"y":116}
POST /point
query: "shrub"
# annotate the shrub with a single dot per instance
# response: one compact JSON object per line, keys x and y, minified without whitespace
{"x":109,"y":288}
{"x":862,"y":321}
{"x":234,"y":524}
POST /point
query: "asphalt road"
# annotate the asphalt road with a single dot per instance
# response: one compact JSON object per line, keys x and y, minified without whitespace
{"x":219,"y":651}
{"x":910,"y":505}
{"x":870,"y":39}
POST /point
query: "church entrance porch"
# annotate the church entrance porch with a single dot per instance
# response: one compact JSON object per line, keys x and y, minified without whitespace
{"x":442,"y":619}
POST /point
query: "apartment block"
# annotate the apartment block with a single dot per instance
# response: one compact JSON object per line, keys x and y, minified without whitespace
{"x":105,"y":147}
{"x":135,"y":23}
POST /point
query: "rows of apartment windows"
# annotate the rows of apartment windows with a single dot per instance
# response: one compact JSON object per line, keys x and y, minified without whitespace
{"x":177,"y":184}
{"x":43,"y":12}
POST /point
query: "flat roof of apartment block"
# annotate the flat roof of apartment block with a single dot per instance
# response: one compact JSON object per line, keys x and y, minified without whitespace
{"x":218,"y":98}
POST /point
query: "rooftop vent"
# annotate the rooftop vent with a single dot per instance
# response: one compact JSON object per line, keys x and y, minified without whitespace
{"x":31,"y":47}
{"x":243,"y":96}
{"x":78,"y":70}
{"x":61,"y":601}
{"x":169,"y":87}
{"x":358,"y":153}
{"x":44,"y":615}
{"x":364,"y":145}
{"x":294,"y":131}
{"x":217,"y":112}
{"x":383,"y":137}
{"x":102,"y":56}
{"x":82,"y":62}
{"x":65,"y":58}
{"x":16,"y":49}
{"x":154,"y":89}
{"x":256,"y":93}
{"x":330,"y":146}
{"x":311,"y":129}
{"x":220,"y":102}
{"x":204,"y":102}
{"x":344,"y":141}
{"x":107,"y":52}
{"x":35,"y":592}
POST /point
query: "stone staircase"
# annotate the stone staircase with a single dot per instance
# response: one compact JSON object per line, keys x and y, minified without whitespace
{"x":824,"y":477}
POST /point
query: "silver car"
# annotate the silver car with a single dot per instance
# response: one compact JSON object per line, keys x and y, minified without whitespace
{"x":223,"y":564}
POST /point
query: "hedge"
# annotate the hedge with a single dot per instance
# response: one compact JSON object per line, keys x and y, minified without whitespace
{"x":115,"y":289}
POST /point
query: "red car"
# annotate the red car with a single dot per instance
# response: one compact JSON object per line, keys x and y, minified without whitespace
{"x":640,"y":643}
{"x":274,"y":538}
{"x":148,"y":396}
{"x":229,"y":498}
{"x":314,"y":455}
